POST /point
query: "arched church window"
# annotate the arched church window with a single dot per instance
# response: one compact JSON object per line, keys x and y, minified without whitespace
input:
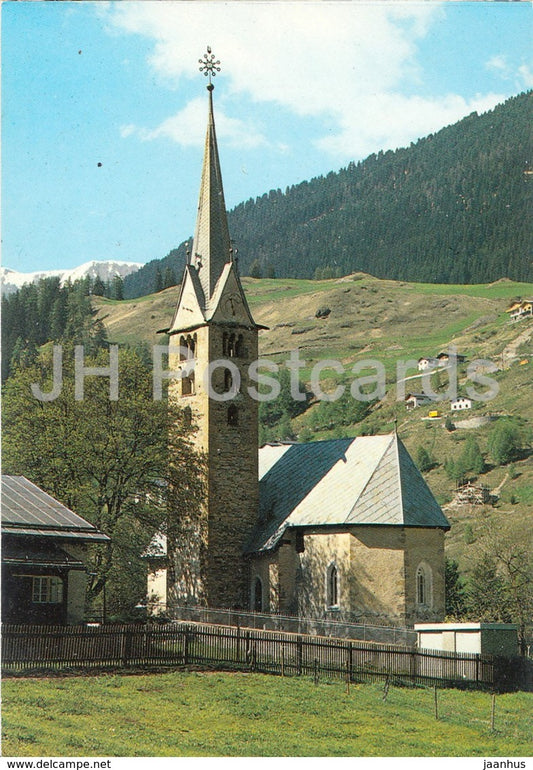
{"x":225,"y":344}
{"x":232,"y":346}
{"x":423,"y":586}
{"x":239,"y":346}
{"x":258,"y":595}
{"x":332,"y":586}
{"x":183,"y":349}
{"x":233,"y":415}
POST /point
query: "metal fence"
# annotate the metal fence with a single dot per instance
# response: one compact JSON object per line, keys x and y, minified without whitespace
{"x":295,"y":625}
{"x":28,"y":649}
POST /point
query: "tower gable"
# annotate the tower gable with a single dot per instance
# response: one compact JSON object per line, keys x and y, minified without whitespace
{"x":228,"y":304}
{"x":189,"y":308}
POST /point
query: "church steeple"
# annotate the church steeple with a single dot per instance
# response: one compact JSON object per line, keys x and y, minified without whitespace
{"x":211,"y":246}
{"x":211,"y":289}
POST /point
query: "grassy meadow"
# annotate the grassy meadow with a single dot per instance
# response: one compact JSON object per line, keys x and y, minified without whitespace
{"x":192,"y":713}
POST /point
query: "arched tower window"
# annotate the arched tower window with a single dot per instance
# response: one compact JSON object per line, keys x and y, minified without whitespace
{"x":187,"y":416}
{"x":239,"y":346}
{"x":423,"y":586}
{"x":233,"y":415}
{"x":228,"y":380}
{"x":258,"y":595}
{"x":332,"y":586}
{"x":232,"y":346}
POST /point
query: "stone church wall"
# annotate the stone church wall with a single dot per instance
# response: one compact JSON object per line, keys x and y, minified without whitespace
{"x":377,"y":565}
{"x":376,"y":573}
{"x":425,"y":547}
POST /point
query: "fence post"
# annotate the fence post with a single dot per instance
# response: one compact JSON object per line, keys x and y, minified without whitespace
{"x":238,"y":643}
{"x":315,"y":673}
{"x":413,"y":666}
{"x":247,"y":650}
{"x":254,"y":657}
{"x":348,"y":672}
{"x":186,"y":646}
{"x":493,"y":712}
{"x":436,"y":702}
{"x":126,"y":646}
{"x":477,"y":667}
{"x":282,"y":660}
{"x":299,"y":654}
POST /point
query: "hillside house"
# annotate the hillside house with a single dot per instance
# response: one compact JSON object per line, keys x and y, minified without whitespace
{"x":444,"y":358}
{"x":427,"y":363}
{"x":345,"y":528}
{"x":414,"y":400}
{"x":44,"y":552}
{"x":520,"y":310}
{"x":461,"y":403}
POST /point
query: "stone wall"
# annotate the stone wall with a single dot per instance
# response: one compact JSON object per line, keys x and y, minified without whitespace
{"x":376,"y":569}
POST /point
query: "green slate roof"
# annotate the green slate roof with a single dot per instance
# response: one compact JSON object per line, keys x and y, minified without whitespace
{"x":370,"y":480}
{"x":28,"y":510}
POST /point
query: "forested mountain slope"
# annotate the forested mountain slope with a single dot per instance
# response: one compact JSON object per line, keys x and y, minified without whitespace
{"x":452,"y":208}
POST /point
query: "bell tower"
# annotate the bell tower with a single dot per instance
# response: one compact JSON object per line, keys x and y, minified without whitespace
{"x":214,"y":339}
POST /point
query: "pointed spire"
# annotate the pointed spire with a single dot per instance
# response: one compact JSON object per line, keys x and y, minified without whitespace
{"x":212,"y":245}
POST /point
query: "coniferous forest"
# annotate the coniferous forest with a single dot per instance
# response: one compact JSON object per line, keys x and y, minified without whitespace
{"x":452,"y":208}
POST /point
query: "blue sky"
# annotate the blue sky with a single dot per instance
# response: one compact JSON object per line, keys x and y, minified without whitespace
{"x":104,"y":107}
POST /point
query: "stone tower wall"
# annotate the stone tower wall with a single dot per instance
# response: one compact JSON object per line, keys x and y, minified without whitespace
{"x":207,"y":560}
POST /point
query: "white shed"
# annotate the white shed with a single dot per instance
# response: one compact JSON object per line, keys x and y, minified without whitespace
{"x":490,"y":638}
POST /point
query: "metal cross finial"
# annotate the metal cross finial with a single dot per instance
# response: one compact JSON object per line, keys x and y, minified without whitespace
{"x":209,"y":67}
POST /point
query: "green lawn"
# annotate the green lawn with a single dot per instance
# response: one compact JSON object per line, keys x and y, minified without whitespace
{"x":223,"y":714}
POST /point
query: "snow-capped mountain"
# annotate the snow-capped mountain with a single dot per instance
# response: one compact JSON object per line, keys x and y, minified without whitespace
{"x":12,"y":280}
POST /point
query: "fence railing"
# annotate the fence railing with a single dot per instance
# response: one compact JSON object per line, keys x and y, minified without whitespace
{"x":297,"y":625}
{"x":42,"y":648}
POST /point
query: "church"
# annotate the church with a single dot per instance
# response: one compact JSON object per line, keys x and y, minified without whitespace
{"x":344,"y":529}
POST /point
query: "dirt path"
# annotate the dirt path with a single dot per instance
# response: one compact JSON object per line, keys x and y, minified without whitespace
{"x":509,"y":353}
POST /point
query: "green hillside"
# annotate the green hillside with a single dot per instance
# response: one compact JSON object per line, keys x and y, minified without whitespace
{"x":452,"y":208}
{"x":388,"y":321}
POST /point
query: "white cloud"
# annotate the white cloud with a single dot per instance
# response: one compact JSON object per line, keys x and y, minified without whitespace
{"x":498,"y":64}
{"x":389,"y":121}
{"x":187,"y":128}
{"x":526,"y":76}
{"x":345,"y":62}
{"x":522,"y":76}
{"x":128,"y":130}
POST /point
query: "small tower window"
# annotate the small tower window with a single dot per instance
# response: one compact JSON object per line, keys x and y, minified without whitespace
{"x":233,"y":415}
{"x":332,"y":586}
{"x":258,"y":595}
{"x":239,"y":346}
{"x":187,"y":384}
{"x":228,"y":380}
{"x":232,"y":346}
{"x":187,"y":416}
